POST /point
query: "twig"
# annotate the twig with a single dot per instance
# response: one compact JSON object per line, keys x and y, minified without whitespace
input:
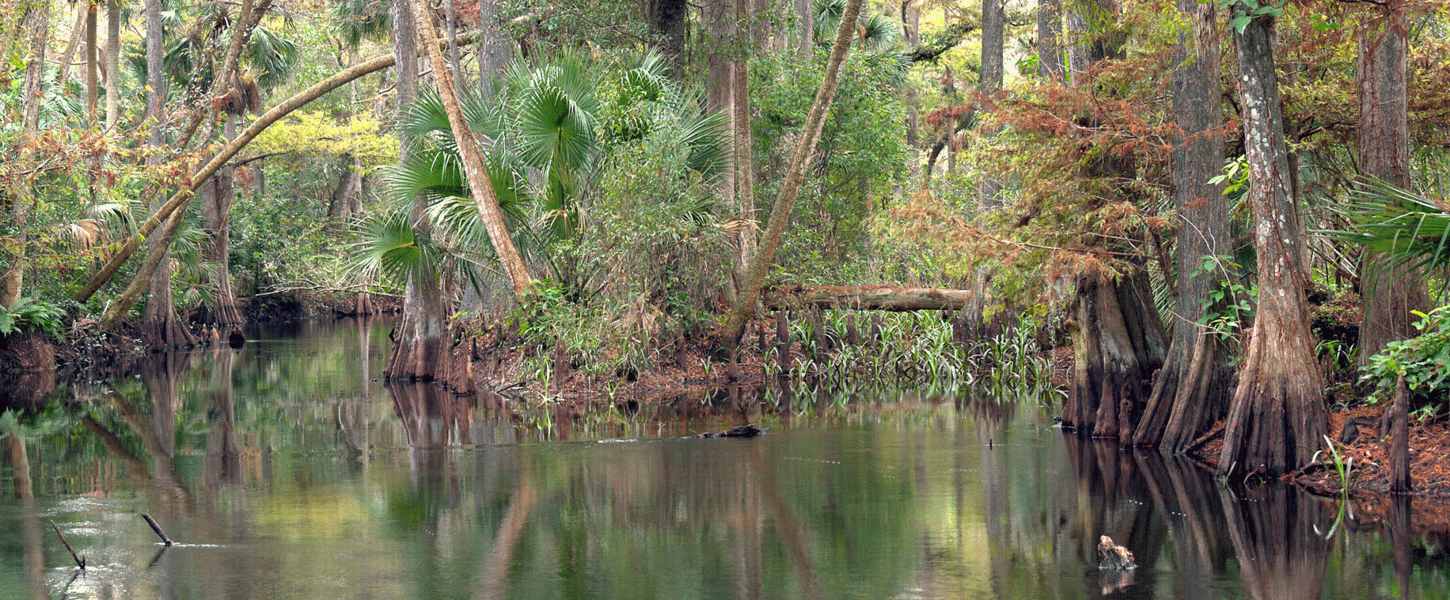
{"x":157,"y":528}
{"x":80,"y":562}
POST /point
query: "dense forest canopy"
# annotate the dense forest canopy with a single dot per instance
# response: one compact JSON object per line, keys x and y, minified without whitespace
{"x":1199,"y":198}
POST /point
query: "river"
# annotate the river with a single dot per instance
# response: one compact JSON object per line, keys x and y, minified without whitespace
{"x":285,"y":470}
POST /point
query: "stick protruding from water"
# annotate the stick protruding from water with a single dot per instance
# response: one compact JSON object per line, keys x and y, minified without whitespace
{"x":80,"y":562}
{"x":157,"y":528}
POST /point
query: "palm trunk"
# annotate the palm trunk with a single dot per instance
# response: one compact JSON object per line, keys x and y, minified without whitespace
{"x":473,"y":163}
{"x":749,"y":293}
{"x":1276,"y":420}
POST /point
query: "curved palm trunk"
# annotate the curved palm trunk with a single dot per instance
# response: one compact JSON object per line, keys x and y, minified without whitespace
{"x":1191,"y":390}
{"x":749,"y":294}
{"x":1276,"y":420}
{"x":474,"y":167}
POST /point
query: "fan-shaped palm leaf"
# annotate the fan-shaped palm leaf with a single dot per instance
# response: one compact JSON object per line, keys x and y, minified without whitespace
{"x":355,"y":20}
{"x":1411,"y":229}
{"x":271,"y":56}
{"x":389,"y":246}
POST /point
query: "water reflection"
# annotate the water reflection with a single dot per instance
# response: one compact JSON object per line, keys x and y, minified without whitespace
{"x":286,"y":471}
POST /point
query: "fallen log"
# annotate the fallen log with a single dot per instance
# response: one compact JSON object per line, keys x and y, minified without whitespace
{"x":867,"y":297}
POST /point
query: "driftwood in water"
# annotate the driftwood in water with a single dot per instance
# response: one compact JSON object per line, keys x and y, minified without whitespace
{"x":867,"y":297}
{"x":80,"y":562}
{"x":742,"y":431}
{"x":157,"y":528}
{"x":1113,"y":556}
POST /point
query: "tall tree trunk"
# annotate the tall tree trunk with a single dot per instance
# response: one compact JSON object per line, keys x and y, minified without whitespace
{"x":1049,"y":39}
{"x":419,"y":352}
{"x":749,"y":293}
{"x":1276,"y":419}
{"x":113,"y":63}
{"x":719,"y":16}
{"x":217,"y":209}
{"x":1391,"y":295}
{"x":994,"y":23}
{"x":92,"y":77}
{"x":805,"y":21}
{"x":495,"y":48}
{"x":1118,"y":338}
{"x":1383,"y":142}
{"x":1191,"y":390}
{"x":12,"y":278}
{"x":743,"y":155}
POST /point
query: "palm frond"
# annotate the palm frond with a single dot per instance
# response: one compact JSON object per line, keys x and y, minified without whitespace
{"x":1411,"y":229}
{"x":390,"y":247}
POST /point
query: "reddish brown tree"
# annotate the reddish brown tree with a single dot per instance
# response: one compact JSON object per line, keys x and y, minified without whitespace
{"x":1191,"y":389}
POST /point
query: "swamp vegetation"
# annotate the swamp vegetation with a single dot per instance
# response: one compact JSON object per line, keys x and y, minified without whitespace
{"x":1216,"y":229}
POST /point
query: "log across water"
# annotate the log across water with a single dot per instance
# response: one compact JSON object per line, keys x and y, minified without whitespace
{"x":870,"y":297}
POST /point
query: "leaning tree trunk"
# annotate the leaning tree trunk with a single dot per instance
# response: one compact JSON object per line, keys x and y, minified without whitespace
{"x":418,"y":352}
{"x":749,"y":293}
{"x":182,"y":196}
{"x":1191,"y":391}
{"x":1276,"y":420}
{"x":474,"y":167}
{"x":1118,"y":343}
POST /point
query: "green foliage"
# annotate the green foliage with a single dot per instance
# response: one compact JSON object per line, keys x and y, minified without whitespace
{"x":1245,"y":11}
{"x":318,"y":135}
{"x":32,"y":313}
{"x":861,"y":159}
{"x":1229,"y":307}
{"x":1423,"y":361}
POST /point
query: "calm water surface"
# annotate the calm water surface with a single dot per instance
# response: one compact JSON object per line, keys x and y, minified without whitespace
{"x":286,"y":471}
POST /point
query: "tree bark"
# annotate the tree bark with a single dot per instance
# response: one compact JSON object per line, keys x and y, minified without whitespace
{"x":218,"y":210}
{"x":113,"y":63}
{"x":189,"y":184}
{"x":495,"y":48}
{"x":1118,"y":343}
{"x":1191,"y":390}
{"x":743,"y":156}
{"x":795,"y":174}
{"x":92,"y":76}
{"x":994,"y":23}
{"x":1391,"y":295}
{"x":668,"y":18}
{"x":1049,"y":39}
{"x":1276,"y":419}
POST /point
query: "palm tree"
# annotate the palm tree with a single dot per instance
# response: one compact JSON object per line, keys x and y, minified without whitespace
{"x":547,"y":135}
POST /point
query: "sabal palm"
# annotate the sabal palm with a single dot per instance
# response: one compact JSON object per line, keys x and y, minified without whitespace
{"x":547,"y":135}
